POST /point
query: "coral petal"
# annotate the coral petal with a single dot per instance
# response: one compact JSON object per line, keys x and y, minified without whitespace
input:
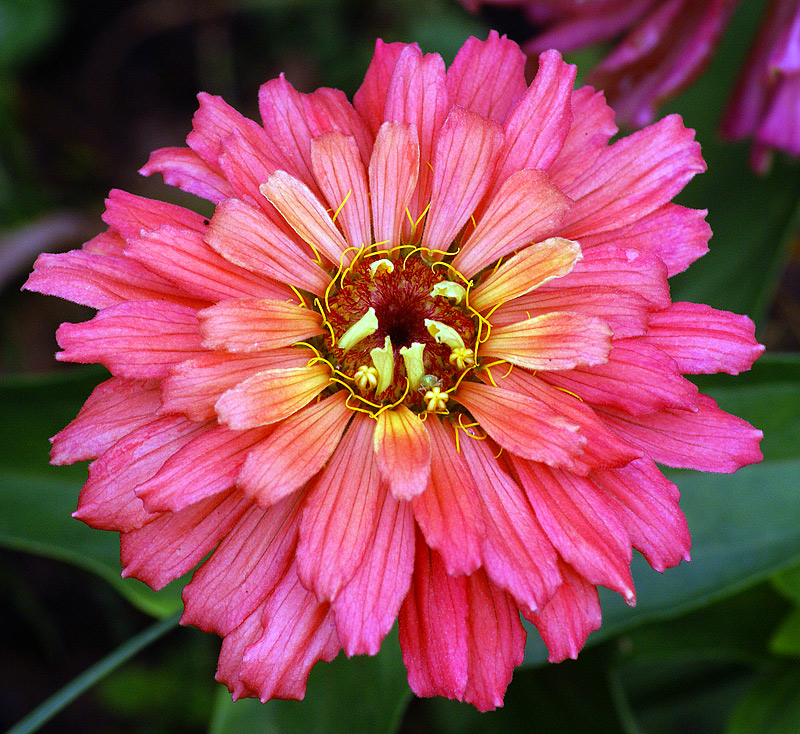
{"x":403,"y":451}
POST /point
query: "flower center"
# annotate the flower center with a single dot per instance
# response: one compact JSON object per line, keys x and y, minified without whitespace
{"x":400,"y":329}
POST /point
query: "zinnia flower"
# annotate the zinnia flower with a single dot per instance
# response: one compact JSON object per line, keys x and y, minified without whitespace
{"x":418,"y":364}
{"x":766,"y":103}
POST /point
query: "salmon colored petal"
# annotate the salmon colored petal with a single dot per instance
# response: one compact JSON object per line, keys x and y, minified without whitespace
{"x":581,"y":523}
{"x":329,"y":110}
{"x":115,"y":408}
{"x":134,"y":339}
{"x":449,"y":510}
{"x":367,"y":606}
{"x":524,"y":426}
{"x":297,"y":633}
{"x":403,"y":451}
{"x":342,"y":178}
{"x":537,"y":126}
{"x":497,"y":59}
{"x":704,"y":340}
{"x":569,"y":618}
{"x":295,"y":451}
{"x":130,"y":214}
{"x":246,"y":566}
{"x":181,"y":256}
{"x":495,"y":642}
{"x":525,"y":209}
{"x":464,"y":159}
{"x":707,"y":439}
{"x":393,"y":172}
{"x":205,"y":466}
{"x":647,"y":504}
{"x":528,"y":269}
{"x":246,"y":237}
{"x":306,"y":215}
{"x":174,"y":543}
{"x":516,"y":553}
{"x":340,"y":516}
{"x":270,"y":396}
{"x":555,"y":341}
{"x":256,"y":325}
{"x":194,"y":386}
{"x":433,"y":628}
{"x":183,"y":168}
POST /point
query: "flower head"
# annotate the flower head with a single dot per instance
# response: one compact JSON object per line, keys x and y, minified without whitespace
{"x":419,"y":363}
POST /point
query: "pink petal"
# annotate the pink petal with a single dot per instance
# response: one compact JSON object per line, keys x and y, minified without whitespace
{"x":703,"y":340}
{"x":185,"y":169}
{"x":181,"y":256}
{"x":329,"y":110}
{"x":306,"y":215}
{"x":107,"y":500}
{"x":516,"y":553}
{"x":256,"y":325}
{"x":367,"y":606}
{"x":417,"y":94}
{"x":340,"y":516}
{"x":582,"y":524}
{"x":526,"y":208}
{"x":270,"y":396}
{"x":647,"y":504}
{"x":109,"y":242}
{"x":633,"y":177}
{"x":246,"y":237}
{"x":495,"y":642}
{"x":115,"y":408}
{"x":393,"y":172}
{"x":342,"y":178}
{"x":554,"y":341}
{"x":174,"y":543}
{"x":463,"y":162}
{"x":707,"y":439}
{"x":245,"y":567}
{"x":194,"y":386}
{"x":449,"y":511}
{"x":402,"y":451}
{"x":295,"y":451}
{"x":99,"y":281}
{"x":637,"y":378}
{"x":246,"y":166}
{"x":297,"y":633}
{"x":136,"y":339}
{"x":233,"y":648}
{"x":370,"y":98}
{"x":522,"y":424}
{"x":677,"y":235}
{"x":433,"y":628}
{"x":569,"y":618}
{"x":206,"y":466}
{"x":537,"y":126}
{"x":497,"y":59}
{"x":130,"y":214}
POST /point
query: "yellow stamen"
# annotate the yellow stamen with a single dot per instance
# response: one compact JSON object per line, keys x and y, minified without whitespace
{"x":444,"y":334}
{"x":412,"y":357}
{"x":436,"y":400}
{"x":383,"y":359}
{"x":450,"y":289}
{"x":366,"y":378}
{"x":366,"y":326}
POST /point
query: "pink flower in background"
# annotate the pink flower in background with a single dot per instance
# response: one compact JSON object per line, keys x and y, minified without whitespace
{"x":766,"y":103}
{"x":419,"y":364}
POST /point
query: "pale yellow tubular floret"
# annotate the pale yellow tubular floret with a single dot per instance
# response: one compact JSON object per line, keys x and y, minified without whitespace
{"x":383,"y":359}
{"x":450,"y":289}
{"x":380,"y":266}
{"x":412,"y":357}
{"x":366,"y":326}
{"x":444,"y":334}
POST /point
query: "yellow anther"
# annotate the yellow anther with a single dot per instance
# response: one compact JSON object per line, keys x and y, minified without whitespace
{"x":436,"y":400}
{"x":450,"y":289}
{"x":366,"y":378}
{"x":380,"y":266}
{"x":412,"y":357}
{"x":366,"y":326}
{"x":461,"y":358}
{"x":383,"y":359}
{"x":444,"y":334}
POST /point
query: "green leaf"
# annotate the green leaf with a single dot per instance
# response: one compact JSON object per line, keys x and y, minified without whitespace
{"x":788,"y":583}
{"x":786,"y":640}
{"x":772,"y":706}
{"x":362,"y":694}
{"x":744,"y":526}
{"x":37,"y":500}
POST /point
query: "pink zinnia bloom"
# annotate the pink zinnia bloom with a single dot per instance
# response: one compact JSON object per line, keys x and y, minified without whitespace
{"x":418,"y":364}
{"x":766,"y":103}
{"x":662,"y":45}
